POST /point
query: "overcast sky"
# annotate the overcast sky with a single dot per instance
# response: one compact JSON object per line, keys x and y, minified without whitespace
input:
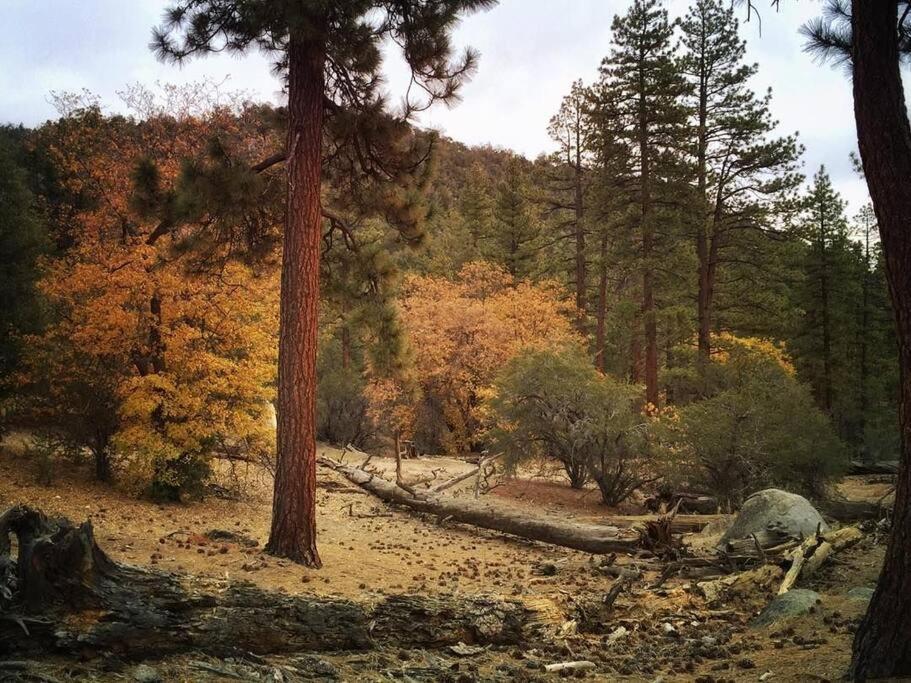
{"x":531,"y":51}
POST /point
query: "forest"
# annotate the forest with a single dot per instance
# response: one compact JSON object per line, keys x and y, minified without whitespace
{"x":309,"y":391}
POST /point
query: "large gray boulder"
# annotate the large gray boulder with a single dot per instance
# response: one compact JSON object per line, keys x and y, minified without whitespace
{"x":778,"y":510}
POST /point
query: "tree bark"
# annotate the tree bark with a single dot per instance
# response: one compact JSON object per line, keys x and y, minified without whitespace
{"x":293,"y":533}
{"x":592,"y":538}
{"x":881,"y":646}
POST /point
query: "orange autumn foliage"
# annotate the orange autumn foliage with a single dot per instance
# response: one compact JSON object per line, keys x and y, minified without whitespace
{"x":161,"y":386}
{"x":461,"y":333}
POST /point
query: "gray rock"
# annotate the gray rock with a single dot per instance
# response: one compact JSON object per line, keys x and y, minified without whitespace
{"x":862,"y":593}
{"x":774,"y":508}
{"x":146,"y":674}
{"x":795,"y":602}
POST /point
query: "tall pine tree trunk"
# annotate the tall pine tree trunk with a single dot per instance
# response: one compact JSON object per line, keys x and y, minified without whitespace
{"x":703,"y":295}
{"x":602,"y":308}
{"x":648,"y":275}
{"x":579,"y":229}
{"x":826,"y":327}
{"x":882,"y":646}
{"x":864,"y":362}
{"x":293,"y":533}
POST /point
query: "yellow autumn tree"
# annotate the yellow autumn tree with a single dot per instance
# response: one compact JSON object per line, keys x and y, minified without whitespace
{"x":461,"y":332}
{"x":160,"y":355}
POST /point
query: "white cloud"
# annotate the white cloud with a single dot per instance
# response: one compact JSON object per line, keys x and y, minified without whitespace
{"x":531,"y":51}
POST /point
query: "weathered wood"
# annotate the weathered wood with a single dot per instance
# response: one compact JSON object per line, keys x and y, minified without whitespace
{"x":592,"y":538}
{"x":809,"y":555}
{"x":69,"y":597}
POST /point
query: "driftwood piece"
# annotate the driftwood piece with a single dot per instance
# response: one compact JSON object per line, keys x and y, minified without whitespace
{"x":66,"y":595}
{"x":592,"y":538}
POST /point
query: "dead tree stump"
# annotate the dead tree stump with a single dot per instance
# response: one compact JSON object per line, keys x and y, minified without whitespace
{"x":60,"y":592}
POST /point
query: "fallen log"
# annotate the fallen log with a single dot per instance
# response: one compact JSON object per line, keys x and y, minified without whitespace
{"x":684,"y":501}
{"x":66,"y":595}
{"x":809,"y":555}
{"x":592,"y":538}
{"x":855,"y":510}
{"x":882,"y":467}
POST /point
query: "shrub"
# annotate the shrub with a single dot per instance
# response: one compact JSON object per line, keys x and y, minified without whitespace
{"x":556,"y":405}
{"x":759,"y":428}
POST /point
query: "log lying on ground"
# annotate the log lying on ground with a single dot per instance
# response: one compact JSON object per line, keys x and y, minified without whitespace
{"x":64,"y":594}
{"x":809,"y":555}
{"x":684,"y":501}
{"x":592,"y":538}
{"x":855,"y":510}
{"x":882,"y":467}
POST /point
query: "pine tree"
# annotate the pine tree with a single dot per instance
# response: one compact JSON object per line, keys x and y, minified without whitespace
{"x":477,"y":206}
{"x":570,"y":129}
{"x":642,"y":75}
{"x":872,"y":37}
{"x":330,"y":53}
{"x":743,"y":175}
{"x":824,"y":343}
{"x":877,"y":366}
{"x":515,"y":240}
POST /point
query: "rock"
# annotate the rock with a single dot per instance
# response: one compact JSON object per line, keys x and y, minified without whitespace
{"x":146,"y":674}
{"x":862,"y":593}
{"x":617,"y":634}
{"x":795,"y":602}
{"x":774,"y":508}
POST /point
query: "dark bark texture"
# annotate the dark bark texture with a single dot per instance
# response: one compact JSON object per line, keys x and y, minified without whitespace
{"x":882,"y":646}
{"x":293,"y":533}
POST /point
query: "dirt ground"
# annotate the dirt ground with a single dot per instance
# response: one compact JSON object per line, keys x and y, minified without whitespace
{"x":369,"y":549}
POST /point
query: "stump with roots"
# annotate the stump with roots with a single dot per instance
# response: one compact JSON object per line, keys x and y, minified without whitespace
{"x":57,"y":563}
{"x":60,"y":592}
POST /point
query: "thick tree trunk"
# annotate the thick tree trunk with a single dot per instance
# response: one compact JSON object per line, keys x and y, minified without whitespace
{"x":67,"y":596}
{"x":592,"y":538}
{"x":293,"y":533}
{"x":882,"y":646}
